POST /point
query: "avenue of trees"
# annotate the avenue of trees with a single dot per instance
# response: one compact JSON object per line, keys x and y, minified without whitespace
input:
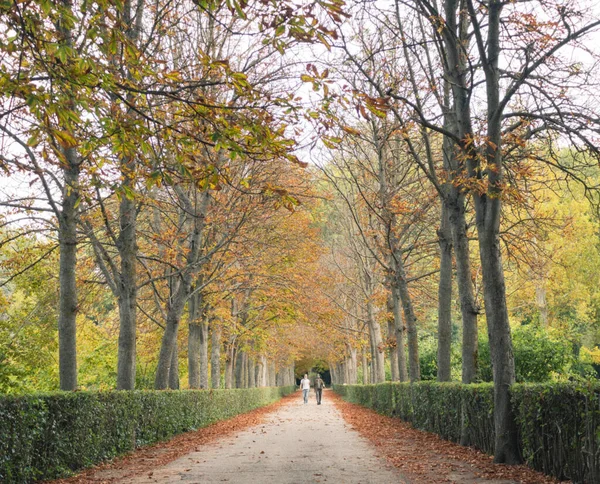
{"x":204,"y":193}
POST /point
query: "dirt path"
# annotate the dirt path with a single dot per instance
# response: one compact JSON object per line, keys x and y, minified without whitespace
{"x":297,"y":444}
{"x":289,"y":442}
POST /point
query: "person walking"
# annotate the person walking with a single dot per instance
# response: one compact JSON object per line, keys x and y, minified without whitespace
{"x":305,"y":387}
{"x":319,"y":385}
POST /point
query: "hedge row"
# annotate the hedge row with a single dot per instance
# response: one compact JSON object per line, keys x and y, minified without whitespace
{"x":559,"y":424}
{"x":46,"y":436}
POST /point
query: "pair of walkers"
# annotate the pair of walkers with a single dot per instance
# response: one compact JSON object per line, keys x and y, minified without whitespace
{"x":305,"y":387}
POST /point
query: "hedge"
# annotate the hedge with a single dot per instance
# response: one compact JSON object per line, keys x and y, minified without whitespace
{"x":47,"y":436}
{"x":559,"y":424}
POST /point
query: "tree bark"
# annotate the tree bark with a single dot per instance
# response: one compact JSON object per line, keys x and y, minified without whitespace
{"x":400,"y":330}
{"x":204,"y":352}
{"x":194,"y":331}
{"x":392,"y":344}
{"x":377,"y":347}
{"x":240,"y":377}
{"x":272,"y":375}
{"x":251,"y":372}
{"x":127,"y":283}
{"x":444,"y":299}
{"x":365,"y":368}
{"x":215,"y":355}
{"x":127,"y":240}
{"x":501,"y":352}
{"x":229,"y":364}
{"x":174,"y":372}
{"x":468,"y":307}
{"x":414,"y":365}
{"x":67,"y":316}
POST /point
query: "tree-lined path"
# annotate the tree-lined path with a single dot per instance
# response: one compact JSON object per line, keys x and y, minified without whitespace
{"x":296,"y":443}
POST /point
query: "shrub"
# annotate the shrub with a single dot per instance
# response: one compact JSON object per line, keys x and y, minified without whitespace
{"x":559,"y":427}
{"x":538,"y":355}
{"x":559,"y":424}
{"x":47,"y":436}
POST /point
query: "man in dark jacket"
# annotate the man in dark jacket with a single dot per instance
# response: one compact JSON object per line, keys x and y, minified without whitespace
{"x":319,"y":385}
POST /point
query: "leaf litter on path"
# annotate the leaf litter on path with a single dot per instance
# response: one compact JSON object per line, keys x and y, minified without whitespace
{"x":425,"y":458}
{"x":143,"y":460}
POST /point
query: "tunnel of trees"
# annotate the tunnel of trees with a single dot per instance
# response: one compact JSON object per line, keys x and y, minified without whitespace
{"x":208,"y":194}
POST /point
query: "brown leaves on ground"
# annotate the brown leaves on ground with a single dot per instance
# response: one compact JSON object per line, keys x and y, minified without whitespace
{"x":426,"y":458}
{"x":144,"y":459}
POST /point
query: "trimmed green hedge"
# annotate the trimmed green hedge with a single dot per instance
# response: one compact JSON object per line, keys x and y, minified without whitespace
{"x":47,"y":436}
{"x":559,"y":424}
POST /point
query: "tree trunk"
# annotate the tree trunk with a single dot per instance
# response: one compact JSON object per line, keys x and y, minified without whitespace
{"x":127,"y":240}
{"x":445,"y":299}
{"x":272,"y":375}
{"x":204,"y":352}
{"x":194,"y":355}
{"x":365,"y":368}
{"x":240,"y":378}
{"x":194,"y":336}
{"x":174,"y":312}
{"x":500,"y":348}
{"x":466,"y":292}
{"x":67,"y":317}
{"x":251,"y":373}
{"x":229,"y":364}
{"x":391,"y":340}
{"x":215,"y":355}
{"x":127,"y":283}
{"x":174,"y":371}
{"x":377,"y":345}
{"x":400,"y":330}
{"x":414,"y":365}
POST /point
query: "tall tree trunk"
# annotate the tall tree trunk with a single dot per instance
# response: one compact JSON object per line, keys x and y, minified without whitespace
{"x":377,"y":345}
{"x":127,"y":240}
{"x":414,"y":365}
{"x":458,"y":121}
{"x":174,"y":371}
{"x":229,"y":366}
{"x":204,"y":352}
{"x":169,"y":339}
{"x":251,"y":373}
{"x":466,"y":292}
{"x":392,"y":344}
{"x":67,"y":236}
{"x":272,"y":375}
{"x":488,"y":209}
{"x":445,"y":299}
{"x":365,"y":368}
{"x":352,"y":364}
{"x":127,"y":283}
{"x":239,"y":369}
{"x":500,"y":347}
{"x":400,"y":330}
{"x":194,"y":336}
{"x":67,"y":327}
{"x":67,"y":317}
{"x":215,"y":354}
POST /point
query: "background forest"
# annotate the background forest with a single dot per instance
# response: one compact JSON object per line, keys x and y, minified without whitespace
{"x":214,"y":194}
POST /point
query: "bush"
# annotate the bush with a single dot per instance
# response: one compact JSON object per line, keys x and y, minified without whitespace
{"x":51,"y":435}
{"x":559,"y":424}
{"x":559,"y":427}
{"x":538,"y":355}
